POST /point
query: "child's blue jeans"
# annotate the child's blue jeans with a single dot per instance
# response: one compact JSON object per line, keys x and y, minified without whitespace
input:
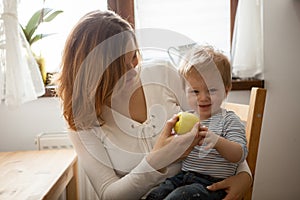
{"x":187,"y":185}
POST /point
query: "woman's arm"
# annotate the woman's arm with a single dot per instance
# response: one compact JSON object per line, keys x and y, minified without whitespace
{"x":107,"y":184}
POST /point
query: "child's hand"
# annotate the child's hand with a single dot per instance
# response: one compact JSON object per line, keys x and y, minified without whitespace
{"x":209,"y":138}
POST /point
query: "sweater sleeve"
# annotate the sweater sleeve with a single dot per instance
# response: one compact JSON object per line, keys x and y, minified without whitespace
{"x":235,"y":131}
{"x":107,"y":184}
{"x":243,"y":167}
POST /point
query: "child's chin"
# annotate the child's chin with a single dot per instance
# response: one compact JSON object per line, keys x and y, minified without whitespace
{"x":204,"y":114}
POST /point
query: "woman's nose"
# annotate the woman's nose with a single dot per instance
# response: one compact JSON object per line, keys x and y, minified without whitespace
{"x":131,"y":73}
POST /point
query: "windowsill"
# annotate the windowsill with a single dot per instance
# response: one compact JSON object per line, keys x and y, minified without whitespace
{"x":246,"y":84}
{"x":50,"y":91}
{"x":237,"y":85}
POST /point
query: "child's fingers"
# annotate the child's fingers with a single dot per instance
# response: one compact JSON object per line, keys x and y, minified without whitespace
{"x":203,"y":133}
{"x":203,"y":128}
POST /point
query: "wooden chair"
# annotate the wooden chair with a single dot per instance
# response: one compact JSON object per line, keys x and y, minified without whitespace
{"x":252,"y":115}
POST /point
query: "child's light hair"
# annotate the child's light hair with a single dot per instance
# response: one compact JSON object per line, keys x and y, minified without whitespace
{"x":200,"y":58}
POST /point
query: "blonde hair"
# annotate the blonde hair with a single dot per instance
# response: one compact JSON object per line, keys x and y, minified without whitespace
{"x":200,"y":57}
{"x":93,"y":61}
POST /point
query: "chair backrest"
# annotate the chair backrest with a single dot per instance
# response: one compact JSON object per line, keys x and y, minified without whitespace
{"x":252,"y":115}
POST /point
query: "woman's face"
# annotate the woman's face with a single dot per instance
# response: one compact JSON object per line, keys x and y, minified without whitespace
{"x":131,"y":62}
{"x":129,"y":81}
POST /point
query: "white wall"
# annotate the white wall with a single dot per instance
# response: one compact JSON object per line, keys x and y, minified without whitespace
{"x":277,"y":175}
{"x":20,"y":125}
{"x":242,"y":96}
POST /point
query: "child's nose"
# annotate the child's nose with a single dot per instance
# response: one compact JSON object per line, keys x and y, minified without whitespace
{"x":202,"y":96}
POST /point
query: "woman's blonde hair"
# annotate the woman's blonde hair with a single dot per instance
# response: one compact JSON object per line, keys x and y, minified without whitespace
{"x":200,"y":58}
{"x":92,"y":63}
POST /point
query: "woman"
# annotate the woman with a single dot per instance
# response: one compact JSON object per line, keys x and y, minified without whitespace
{"x":117,"y":112}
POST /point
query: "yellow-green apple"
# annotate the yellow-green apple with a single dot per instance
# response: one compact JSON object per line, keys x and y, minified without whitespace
{"x":185,"y":122}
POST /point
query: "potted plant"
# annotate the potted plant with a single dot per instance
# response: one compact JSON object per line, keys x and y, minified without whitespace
{"x":40,"y":16}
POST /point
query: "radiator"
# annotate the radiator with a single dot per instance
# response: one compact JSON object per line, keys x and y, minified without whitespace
{"x":60,"y":140}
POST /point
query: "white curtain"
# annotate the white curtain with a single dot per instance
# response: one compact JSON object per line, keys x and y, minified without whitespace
{"x":20,"y":78}
{"x":247,"y":43}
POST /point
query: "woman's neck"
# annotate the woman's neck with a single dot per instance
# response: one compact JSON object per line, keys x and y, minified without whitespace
{"x":137,"y":105}
{"x":131,"y":103}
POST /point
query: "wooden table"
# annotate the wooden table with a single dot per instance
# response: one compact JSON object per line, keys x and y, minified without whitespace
{"x":33,"y":175}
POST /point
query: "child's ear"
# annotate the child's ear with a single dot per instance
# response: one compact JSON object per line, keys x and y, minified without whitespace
{"x":227,"y":89}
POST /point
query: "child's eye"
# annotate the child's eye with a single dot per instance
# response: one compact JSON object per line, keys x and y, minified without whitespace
{"x":212,"y":90}
{"x":195,"y":92}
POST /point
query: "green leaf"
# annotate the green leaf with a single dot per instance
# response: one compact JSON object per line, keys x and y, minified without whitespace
{"x":38,"y":37}
{"x":42,"y":15}
{"x":26,"y":35}
{"x":52,"y":15}
{"x":34,"y":22}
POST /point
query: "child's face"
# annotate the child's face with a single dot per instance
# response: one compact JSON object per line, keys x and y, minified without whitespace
{"x":206,"y":101}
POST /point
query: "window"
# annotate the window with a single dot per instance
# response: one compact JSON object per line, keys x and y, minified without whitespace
{"x":202,"y":21}
{"x":51,"y":47}
{"x":215,"y":15}
{"x":140,"y":13}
